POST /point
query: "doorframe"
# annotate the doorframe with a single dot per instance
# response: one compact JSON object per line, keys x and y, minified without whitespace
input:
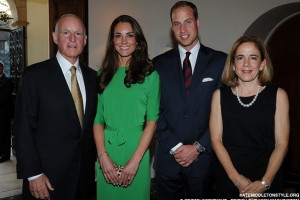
{"x":266,"y":24}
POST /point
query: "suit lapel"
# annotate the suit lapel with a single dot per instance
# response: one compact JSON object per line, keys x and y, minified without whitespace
{"x":88,"y":91}
{"x":200,"y":67}
{"x":199,"y":70}
{"x":61,"y":87}
{"x":176,"y":70}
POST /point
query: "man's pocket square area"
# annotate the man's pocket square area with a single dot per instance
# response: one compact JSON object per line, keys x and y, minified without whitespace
{"x":207,"y":79}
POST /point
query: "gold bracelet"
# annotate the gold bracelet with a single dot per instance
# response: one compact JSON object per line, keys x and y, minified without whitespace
{"x":101,"y":154}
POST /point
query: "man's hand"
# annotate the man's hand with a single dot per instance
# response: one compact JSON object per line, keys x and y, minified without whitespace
{"x":185,"y":155}
{"x":39,"y":187}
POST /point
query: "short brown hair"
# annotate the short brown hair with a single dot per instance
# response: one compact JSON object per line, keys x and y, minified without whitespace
{"x":180,"y":4}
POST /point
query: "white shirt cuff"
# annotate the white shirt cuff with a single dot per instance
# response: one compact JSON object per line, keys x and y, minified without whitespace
{"x":174,"y":148}
{"x":34,"y":177}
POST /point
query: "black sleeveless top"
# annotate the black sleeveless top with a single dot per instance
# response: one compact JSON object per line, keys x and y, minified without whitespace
{"x":248,"y":134}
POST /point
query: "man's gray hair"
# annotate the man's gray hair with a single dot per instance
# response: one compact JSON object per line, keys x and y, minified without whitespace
{"x":69,"y":15}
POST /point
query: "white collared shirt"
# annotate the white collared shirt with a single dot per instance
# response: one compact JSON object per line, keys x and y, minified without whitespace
{"x":193,"y":56}
{"x":65,"y":67}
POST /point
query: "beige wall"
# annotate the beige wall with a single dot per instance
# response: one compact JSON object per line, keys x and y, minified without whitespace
{"x":221,"y":22}
{"x":37,"y":31}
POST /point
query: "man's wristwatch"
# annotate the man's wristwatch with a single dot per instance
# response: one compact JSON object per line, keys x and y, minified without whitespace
{"x":199,"y":147}
{"x":265,"y":184}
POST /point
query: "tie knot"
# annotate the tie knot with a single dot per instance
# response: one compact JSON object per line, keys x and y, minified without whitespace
{"x":73,"y":70}
{"x":187,"y":54}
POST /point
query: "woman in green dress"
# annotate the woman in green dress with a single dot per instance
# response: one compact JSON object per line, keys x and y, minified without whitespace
{"x":128,"y":107}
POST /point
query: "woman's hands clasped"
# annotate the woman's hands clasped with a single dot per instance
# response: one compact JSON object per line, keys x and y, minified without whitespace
{"x":129,"y":172}
{"x":108,"y":169}
{"x":125,"y":178}
{"x":254,"y":187}
{"x":241,"y":183}
{"x":246,"y":186}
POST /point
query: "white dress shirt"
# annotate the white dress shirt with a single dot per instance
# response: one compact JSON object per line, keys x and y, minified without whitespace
{"x":65,"y":67}
{"x":193,"y":58}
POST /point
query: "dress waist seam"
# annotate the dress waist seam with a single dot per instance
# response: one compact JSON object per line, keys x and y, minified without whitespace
{"x":133,"y":129}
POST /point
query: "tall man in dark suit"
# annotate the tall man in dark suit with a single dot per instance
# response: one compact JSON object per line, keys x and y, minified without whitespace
{"x":54,"y":145}
{"x":184,"y":157}
{"x":6,"y":111}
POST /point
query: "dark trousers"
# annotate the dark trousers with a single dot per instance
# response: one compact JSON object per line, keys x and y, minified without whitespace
{"x":80,"y":194}
{"x":181,"y":186}
{"x":54,"y":195}
{"x":5,"y":137}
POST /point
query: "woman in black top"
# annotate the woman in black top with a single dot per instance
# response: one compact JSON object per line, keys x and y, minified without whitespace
{"x":249,"y":123}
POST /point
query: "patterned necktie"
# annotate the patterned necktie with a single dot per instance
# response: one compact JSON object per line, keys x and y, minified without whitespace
{"x":187,"y":73}
{"x":76,"y":94}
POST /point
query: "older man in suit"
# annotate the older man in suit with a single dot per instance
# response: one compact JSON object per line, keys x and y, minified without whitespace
{"x":53,"y":126}
{"x":189,"y":75}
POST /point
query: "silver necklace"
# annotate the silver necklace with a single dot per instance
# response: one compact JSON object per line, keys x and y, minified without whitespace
{"x":253,"y":100}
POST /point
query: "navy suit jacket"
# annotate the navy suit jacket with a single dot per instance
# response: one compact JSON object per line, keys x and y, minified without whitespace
{"x":49,"y":138}
{"x":186,"y":119}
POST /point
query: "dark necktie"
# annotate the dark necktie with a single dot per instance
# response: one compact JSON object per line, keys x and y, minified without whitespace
{"x":76,"y":94}
{"x":187,"y":73}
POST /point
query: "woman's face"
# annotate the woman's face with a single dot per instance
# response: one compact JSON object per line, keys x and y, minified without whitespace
{"x":124,"y":40}
{"x":247,"y":62}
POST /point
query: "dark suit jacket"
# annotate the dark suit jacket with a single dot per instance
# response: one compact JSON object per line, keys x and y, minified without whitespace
{"x":186,"y":119}
{"x":49,"y":138}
